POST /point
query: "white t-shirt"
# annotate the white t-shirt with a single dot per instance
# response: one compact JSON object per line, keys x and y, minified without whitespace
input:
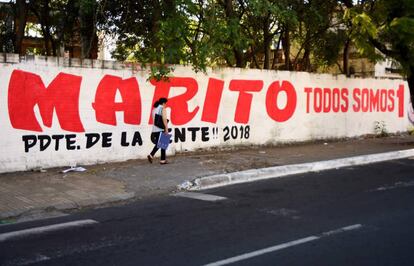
{"x":157,"y":110}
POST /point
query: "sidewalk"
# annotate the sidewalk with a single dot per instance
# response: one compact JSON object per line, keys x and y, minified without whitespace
{"x":28,"y":195}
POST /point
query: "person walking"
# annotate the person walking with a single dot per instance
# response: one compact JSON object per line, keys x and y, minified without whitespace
{"x":159,"y":110}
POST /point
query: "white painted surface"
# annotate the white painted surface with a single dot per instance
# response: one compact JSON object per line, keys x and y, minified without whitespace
{"x":382,"y":66}
{"x":37,"y":258}
{"x":302,"y":126}
{"x":45,"y":229}
{"x":397,"y":185}
{"x":293,"y":243}
{"x":199,"y":196}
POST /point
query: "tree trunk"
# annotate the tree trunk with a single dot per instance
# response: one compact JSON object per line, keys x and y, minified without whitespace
{"x":45,"y":27}
{"x":238,"y":54}
{"x":20,"y":25}
{"x":267,"y":41}
{"x":306,"y":65}
{"x":277,"y":50}
{"x":239,"y":57}
{"x":46,"y":40}
{"x":155,"y":28}
{"x":50,"y":44}
{"x":348,"y":3}
{"x":286,"y":49}
{"x":87,"y":21}
{"x":65,"y":31}
{"x":170,"y":7}
{"x":84,"y":36}
{"x":346,"y":58}
{"x":256,"y":63}
{"x":54,"y":47}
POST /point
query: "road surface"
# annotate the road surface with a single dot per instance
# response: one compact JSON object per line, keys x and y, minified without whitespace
{"x":353,"y":216}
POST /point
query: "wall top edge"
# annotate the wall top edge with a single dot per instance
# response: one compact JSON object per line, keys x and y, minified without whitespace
{"x":52,"y":61}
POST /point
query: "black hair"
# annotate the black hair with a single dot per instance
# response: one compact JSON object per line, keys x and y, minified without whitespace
{"x":160,"y":101}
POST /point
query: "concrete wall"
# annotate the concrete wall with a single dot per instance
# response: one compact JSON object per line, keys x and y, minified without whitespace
{"x":44,"y":104}
{"x":382,"y":69}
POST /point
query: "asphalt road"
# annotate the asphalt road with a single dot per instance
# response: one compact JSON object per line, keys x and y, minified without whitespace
{"x":353,"y":216}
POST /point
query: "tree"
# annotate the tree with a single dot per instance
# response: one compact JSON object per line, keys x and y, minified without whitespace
{"x":20,"y":18}
{"x":61,"y":22}
{"x":136,"y":25}
{"x":265,"y":20}
{"x":386,"y":26}
{"x":236,"y":33}
{"x":315,"y":28}
{"x":89,"y":10}
{"x":42,"y":11}
{"x":163,"y":32}
{"x":7,"y":34}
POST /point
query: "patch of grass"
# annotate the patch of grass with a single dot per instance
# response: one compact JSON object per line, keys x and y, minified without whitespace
{"x":411,"y":131}
{"x":8,"y":221}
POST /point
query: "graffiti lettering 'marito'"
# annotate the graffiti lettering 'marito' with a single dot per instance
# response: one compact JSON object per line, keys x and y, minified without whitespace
{"x":212,"y":101}
{"x":244,"y":101}
{"x":106,"y":107}
{"x":62,"y":95}
{"x":180,"y":114}
{"x":273,"y":110}
{"x":26,"y":90}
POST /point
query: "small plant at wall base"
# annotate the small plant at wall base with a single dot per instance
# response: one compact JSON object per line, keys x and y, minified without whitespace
{"x":380,"y":129}
{"x":411,"y":131}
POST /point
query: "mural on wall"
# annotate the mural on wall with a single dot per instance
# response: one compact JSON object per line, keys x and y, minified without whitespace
{"x":62,"y":95}
{"x":214,"y":111}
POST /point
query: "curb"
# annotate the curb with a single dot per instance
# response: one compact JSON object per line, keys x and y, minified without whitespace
{"x":251,"y":175}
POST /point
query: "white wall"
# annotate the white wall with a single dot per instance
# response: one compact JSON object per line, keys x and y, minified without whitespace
{"x":301,"y":126}
{"x":380,"y":69}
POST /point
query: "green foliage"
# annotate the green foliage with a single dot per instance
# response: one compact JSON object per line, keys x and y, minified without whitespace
{"x":160,"y":72}
{"x":386,"y":25}
{"x":327,"y":50}
{"x":6,"y":30}
{"x":410,"y":131}
{"x":58,"y":22}
{"x":363,"y":29}
{"x":210,"y":33}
